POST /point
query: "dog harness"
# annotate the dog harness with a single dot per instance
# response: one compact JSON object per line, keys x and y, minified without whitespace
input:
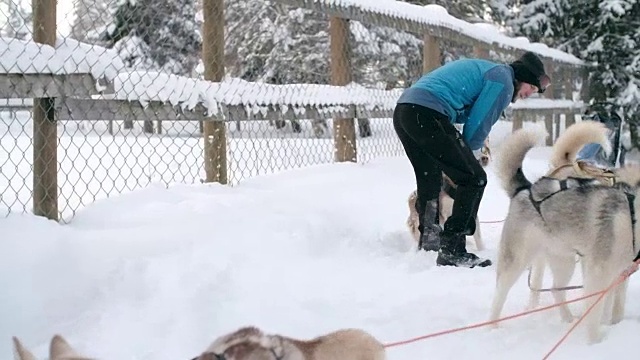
{"x":558,"y":186}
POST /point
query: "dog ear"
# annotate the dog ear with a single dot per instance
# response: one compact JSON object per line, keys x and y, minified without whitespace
{"x":61,"y":350}
{"x":20,"y":352}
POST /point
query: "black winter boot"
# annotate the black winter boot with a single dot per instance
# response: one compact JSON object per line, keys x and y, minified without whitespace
{"x":429,"y":227}
{"x":453,"y":252}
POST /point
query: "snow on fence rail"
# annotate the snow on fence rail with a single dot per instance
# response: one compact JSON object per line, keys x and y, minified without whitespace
{"x":433,"y":20}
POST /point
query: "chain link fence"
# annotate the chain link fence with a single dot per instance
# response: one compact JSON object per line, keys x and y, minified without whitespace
{"x":124,"y":98}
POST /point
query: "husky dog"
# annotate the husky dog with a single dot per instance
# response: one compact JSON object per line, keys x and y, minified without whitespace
{"x":563,"y":164}
{"x":445,"y":203}
{"x":250,"y":343}
{"x":562,"y":218}
{"x":59,"y":349}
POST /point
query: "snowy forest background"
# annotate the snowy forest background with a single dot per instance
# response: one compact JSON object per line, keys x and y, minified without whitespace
{"x":274,"y":43}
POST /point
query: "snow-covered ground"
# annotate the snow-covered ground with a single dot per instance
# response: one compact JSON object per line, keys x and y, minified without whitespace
{"x":158,"y":273}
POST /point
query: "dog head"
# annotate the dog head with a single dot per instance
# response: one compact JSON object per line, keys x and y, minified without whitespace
{"x":59,"y":349}
{"x":248,"y":343}
{"x":485,"y":157}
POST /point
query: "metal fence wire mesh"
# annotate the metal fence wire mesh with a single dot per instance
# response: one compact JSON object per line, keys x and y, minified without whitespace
{"x":107,"y":143}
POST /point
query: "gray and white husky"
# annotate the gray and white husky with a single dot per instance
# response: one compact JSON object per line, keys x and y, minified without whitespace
{"x":560,"y":219}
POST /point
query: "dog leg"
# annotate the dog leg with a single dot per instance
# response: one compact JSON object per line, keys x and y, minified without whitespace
{"x":504,"y":282}
{"x":595,"y":279}
{"x":619,"y":301}
{"x":562,"y":268}
{"x":510,"y":265}
{"x":537,"y":274}
{"x":477,"y":236}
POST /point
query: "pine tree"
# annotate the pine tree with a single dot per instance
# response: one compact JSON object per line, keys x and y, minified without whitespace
{"x":611,"y":43}
{"x":547,"y":21}
{"x":384,"y":57}
{"x":19,"y":23}
{"x":91,"y":19}
{"x":157,"y":35}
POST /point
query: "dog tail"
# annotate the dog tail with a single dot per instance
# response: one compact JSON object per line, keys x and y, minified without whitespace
{"x":511,"y":156}
{"x":571,"y":141}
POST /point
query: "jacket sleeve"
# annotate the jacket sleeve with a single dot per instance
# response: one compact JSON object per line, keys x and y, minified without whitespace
{"x":494,"y":98}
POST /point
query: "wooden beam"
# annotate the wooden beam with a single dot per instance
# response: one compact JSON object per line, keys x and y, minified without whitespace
{"x":20,"y":86}
{"x":71,"y":109}
{"x":102,"y":109}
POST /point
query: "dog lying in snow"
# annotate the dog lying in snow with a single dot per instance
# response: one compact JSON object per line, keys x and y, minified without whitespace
{"x":445,"y":203}
{"x":250,"y":343}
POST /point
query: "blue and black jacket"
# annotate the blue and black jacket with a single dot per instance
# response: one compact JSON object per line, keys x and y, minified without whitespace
{"x":472,"y":92}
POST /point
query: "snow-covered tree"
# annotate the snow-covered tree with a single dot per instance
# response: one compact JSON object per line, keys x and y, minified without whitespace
{"x":384,"y":57}
{"x":611,"y":42}
{"x":546,"y":21}
{"x":19,"y":20}
{"x":157,"y":35}
{"x":91,"y":19}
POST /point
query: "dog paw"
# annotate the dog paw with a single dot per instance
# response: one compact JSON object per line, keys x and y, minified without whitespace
{"x":566,"y":316}
{"x":595,"y":337}
{"x":615,"y":320}
{"x":493,"y":326}
{"x":567,"y":319}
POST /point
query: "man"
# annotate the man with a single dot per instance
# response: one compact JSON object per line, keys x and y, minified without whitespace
{"x":472,"y":92}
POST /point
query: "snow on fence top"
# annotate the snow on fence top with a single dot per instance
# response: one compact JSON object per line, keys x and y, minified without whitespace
{"x":187,"y":93}
{"x":433,"y":19}
{"x":67,"y":57}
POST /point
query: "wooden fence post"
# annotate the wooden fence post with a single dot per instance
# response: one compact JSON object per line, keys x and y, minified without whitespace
{"x":570,"y":117}
{"x":45,"y":132}
{"x":431,"y":55}
{"x":344,"y":132}
{"x":214,"y":130}
{"x":518,"y":120}
{"x":585,"y":91}
{"x":480,"y":52}
{"x":549,"y":118}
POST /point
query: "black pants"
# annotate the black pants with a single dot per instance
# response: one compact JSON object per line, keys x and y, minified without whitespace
{"x":434,"y":146}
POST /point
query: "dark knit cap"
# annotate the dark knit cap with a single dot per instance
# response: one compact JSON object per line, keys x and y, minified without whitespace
{"x":530,"y":69}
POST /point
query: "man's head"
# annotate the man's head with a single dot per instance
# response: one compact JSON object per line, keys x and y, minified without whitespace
{"x":529,"y":75}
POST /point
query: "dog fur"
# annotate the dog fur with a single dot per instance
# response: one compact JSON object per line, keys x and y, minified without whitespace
{"x":59,"y":349}
{"x":587,"y":218}
{"x":563,"y":164}
{"x":251,"y":343}
{"x":445,"y":203}
{"x":565,"y":150}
